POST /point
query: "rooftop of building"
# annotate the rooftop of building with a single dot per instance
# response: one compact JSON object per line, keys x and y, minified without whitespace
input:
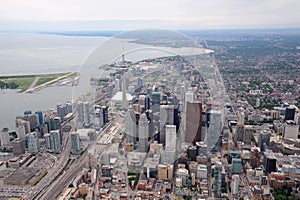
{"x":234,"y":152}
{"x":152,"y":161}
{"x":119,"y":96}
{"x":23,"y":174}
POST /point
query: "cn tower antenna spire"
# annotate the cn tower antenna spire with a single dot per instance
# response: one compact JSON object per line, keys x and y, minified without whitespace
{"x":124,"y":97}
{"x":123,"y":54}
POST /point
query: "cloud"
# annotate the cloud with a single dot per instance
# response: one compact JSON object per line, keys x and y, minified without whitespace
{"x":212,"y":13}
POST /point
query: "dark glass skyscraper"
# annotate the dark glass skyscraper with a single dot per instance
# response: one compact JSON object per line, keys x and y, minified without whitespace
{"x":290,"y":113}
{"x":193,"y":122}
{"x":105,"y":114}
{"x":269,"y":162}
{"x":264,"y":140}
{"x":155,"y":101}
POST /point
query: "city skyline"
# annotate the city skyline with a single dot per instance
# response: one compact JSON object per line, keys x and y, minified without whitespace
{"x":150,"y":99}
{"x":191,"y":124}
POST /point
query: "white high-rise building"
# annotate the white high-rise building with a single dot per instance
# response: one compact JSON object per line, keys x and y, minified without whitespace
{"x":130,"y":125}
{"x":189,"y":96}
{"x":26,"y":124}
{"x":167,"y":114}
{"x":166,"y":118}
{"x":169,"y":155}
{"x":143,"y":133}
{"x":235,"y":183}
{"x":4,"y":137}
{"x":97,"y":120}
{"x":215,"y":128}
{"x":86,"y":111}
{"x":182,"y":91}
{"x":20,"y":130}
{"x":170,"y":138}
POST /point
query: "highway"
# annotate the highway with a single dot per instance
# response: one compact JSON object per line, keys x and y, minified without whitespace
{"x":65,"y":179}
{"x":42,"y":186}
{"x":65,"y":175}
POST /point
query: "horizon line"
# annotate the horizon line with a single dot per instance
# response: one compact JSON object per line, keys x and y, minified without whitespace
{"x":82,"y":30}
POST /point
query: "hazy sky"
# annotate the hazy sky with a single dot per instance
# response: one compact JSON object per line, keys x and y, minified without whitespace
{"x":128,"y":14}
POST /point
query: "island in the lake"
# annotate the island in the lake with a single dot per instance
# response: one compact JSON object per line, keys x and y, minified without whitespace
{"x":31,"y":83}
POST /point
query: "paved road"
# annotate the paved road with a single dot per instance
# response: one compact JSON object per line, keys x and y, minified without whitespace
{"x":32,"y":84}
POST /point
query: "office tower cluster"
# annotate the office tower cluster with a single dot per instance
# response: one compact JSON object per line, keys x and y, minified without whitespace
{"x":32,"y":127}
{"x":170,"y":121}
{"x":53,"y":141}
{"x":63,"y":110}
{"x":89,"y":115}
{"x":29,"y":128}
{"x":152,"y":116}
{"x":101,"y":116}
{"x":84,"y":115}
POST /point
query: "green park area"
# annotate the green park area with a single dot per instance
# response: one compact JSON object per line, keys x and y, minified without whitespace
{"x":25,"y":82}
{"x":133,"y":177}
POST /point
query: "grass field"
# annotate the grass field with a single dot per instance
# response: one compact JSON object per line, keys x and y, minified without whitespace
{"x":48,"y":77}
{"x":23,"y":82}
{"x":44,"y":80}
